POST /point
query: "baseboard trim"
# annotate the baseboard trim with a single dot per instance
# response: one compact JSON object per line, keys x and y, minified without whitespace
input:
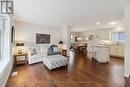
{"x":9,"y":74}
{"x":114,"y":56}
{"x":126,"y":75}
{"x":7,"y":78}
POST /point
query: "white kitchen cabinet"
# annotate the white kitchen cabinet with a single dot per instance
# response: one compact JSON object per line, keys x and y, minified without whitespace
{"x":101,"y":54}
{"x":117,"y":51}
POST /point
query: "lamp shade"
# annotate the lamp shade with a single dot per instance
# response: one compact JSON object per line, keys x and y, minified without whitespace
{"x":19,"y":44}
{"x":79,"y":38}
{"x":60,"y":42}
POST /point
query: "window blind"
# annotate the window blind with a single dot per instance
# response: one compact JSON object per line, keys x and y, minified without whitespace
{"x":1,"y":24}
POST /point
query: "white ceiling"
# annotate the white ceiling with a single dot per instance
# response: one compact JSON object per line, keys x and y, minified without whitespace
{"x":128,"y":2}
{"x":74,"y":13}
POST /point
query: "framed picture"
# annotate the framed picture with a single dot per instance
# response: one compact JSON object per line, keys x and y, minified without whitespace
{"x":42,"y":38}
{"x":91,"y":37}
{"x":12,"y":34}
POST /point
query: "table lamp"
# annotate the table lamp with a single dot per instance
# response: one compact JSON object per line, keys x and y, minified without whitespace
{"x":20,"y":49}
{"x":60,"y":42}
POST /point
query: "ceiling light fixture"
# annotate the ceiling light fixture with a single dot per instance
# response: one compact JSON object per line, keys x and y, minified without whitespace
{"x":98,"y":23}
{"x":119,"y":28}
{"x":113,"y":23}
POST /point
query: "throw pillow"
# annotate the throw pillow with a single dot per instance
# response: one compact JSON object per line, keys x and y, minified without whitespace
{"x":33,"y":51}
{"x":51,"y":50}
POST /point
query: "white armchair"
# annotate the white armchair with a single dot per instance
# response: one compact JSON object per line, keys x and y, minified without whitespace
{"x":35,"y":54}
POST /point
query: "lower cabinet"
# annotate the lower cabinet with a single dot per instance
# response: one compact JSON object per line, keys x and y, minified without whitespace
{"x":116,"y":51}
{"x":101,"y":54}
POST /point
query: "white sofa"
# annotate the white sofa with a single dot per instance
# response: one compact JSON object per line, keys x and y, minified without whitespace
{"x":41,"y":51}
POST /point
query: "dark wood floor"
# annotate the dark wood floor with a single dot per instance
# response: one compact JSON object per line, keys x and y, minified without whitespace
{"x":80,"y":73}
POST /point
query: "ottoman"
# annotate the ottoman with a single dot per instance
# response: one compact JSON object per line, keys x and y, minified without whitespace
{"x":55,"y":61}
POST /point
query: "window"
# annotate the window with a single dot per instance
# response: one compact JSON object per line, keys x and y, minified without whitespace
{"x":1,"y":36}
{"x":0,"y":45}
{"x":118,"y":36}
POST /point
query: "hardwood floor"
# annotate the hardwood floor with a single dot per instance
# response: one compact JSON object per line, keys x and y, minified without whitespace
{"x":80,"y":72}
{"x":127,"y":84}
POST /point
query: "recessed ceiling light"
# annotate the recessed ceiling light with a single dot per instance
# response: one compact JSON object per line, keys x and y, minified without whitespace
{"x":113,"y":23}
{"x":119,"y":28}
{"x":98,"y":23}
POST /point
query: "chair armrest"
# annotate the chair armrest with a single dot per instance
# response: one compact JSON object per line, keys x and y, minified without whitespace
{"x":29,"y":54}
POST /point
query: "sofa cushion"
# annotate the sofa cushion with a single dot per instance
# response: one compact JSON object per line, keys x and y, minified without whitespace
{"x":44,"y":48}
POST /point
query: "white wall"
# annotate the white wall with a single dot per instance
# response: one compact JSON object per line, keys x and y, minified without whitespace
{"x":127,"y":47}
{"x":26,"y":32}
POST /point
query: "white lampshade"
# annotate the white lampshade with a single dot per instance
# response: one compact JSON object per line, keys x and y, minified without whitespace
{"x":79,"y":38}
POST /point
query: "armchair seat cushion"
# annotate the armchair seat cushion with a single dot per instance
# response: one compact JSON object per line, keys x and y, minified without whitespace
{"x":55,"y":61}
{"x":39,"y":55}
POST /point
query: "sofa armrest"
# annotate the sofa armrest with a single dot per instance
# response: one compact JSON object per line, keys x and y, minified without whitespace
{"x":29,"y":54}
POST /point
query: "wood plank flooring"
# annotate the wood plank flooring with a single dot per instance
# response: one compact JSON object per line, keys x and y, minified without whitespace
{"x":80,"y":72}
